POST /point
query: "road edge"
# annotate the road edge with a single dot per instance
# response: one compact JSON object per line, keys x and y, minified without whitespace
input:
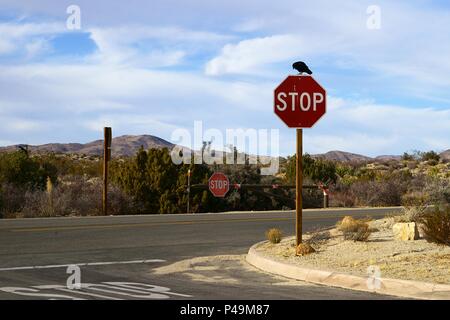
{"x":393,"y":287}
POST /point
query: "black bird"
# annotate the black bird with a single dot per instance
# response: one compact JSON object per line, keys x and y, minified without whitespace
{"x":301,"y":67}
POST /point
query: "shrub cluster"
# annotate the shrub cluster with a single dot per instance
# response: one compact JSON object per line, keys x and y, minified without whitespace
{"x":72,"y":196}
{"x":436,"y":225}
{"x":274,"y":235}
{"x":353,"y":229}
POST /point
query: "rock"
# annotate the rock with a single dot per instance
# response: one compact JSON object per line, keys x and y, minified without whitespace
{"x":304,"y":249}
{"x":405,"y":231}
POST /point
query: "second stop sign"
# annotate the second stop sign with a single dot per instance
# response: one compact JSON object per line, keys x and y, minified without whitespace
{"x":300,"y":101}
{"x":219,"y":184}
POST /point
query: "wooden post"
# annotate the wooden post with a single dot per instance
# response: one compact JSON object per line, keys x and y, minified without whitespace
{"x":299,"y":185}
{"x":188,"y":189}
{"x":325,"y":199}
{"x":106,"y":158}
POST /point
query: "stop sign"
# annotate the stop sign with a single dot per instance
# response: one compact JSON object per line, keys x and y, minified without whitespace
{"x":219,"y":184}
{"x":300,"y":101}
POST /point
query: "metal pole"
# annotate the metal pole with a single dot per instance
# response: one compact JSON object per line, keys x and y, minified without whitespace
{"x":106,"y":156}
{"x":298,"y":189}
{"x":189,"y":190}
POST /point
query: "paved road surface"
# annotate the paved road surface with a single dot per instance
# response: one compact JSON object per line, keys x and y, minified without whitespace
{"x":153,"y":253}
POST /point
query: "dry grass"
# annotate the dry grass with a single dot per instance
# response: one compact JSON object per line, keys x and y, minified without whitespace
{"x":354,"y":229}
{"x":318,"y":236}
{"x":274,"y":235}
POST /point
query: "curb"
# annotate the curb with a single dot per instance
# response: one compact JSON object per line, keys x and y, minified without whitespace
{"x":394,"y":287}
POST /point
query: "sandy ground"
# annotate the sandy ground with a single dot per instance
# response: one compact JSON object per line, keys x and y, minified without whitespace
{"x":409,"y":260}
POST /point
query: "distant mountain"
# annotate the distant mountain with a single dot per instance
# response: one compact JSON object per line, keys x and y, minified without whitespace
{"x":342,"y":156}
{"x":127,"y":145}
{"x":388,"y":158}
{"x":121,"y":146}
{"x":445,"y":155}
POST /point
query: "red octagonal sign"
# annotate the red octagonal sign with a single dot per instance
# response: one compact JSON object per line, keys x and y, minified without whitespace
{"x":219,"y":184}
{"x":300,"y":101}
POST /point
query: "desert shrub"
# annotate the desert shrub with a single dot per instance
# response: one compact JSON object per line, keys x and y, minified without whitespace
{"x":353,"y":229}
{"x":407,"y":157}
{"x":12,"y":199}
{"x":438,"y":190}
{"x":153,"y":180}
{"x":318,"y":236}
{"x":429,"y":156}
{"x":318,"y":170}
{"x":73,"y":196}
{"x":19,"y":169}
{"x":415,"y":199}
{"x":341,"y":199}
{"x":362,"y":233}
{"x":436,"y":225}
{"x":385,"y":191}
{"x":274,"y":235}
{"x":411,"y":214}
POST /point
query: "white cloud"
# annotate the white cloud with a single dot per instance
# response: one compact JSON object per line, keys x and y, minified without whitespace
{"x":31,"y":37}
{"x":82,"y":99}
{"x":148,"y":46}
{"x":36,"y":47}
{"x":249,"y":56}
{"x":117,"y":86}
{"x":374,"y":129}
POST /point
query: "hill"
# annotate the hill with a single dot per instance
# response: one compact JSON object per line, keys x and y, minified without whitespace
{"x":342,"y":156}
{"x":445,"y":155}
{"x":126,"y":145}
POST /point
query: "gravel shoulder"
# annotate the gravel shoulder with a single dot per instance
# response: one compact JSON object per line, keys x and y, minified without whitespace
{"x":416,"y":260}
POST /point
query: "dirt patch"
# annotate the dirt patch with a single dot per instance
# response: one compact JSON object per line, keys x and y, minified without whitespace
{"x":409,"y":260}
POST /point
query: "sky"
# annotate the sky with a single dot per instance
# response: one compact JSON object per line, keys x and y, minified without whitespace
{"x":151,"y":67}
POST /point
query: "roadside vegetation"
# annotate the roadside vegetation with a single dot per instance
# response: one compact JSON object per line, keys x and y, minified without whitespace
{"x":354,"y":229}
{"x":274,"y":235}
{"x":40,"y":185}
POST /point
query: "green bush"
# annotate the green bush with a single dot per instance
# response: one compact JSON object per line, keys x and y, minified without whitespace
{"x":158,"y":184}
{"x":318,"y":170}
{"x":19,"y":169}
{"x":430,"y":156}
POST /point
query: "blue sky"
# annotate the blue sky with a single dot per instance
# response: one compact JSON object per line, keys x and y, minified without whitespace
{"x":149,"y":67}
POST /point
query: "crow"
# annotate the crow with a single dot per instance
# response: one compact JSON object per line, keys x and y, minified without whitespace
{"x":301,"y":67}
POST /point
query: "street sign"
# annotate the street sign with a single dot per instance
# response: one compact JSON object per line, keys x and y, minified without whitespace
{"x":219,"y":184}
{"x":299,"y":101}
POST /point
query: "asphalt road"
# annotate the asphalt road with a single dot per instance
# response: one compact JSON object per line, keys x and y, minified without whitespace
{"x":117,"y":256}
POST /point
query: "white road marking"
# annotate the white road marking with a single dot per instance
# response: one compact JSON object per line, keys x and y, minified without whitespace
{"x":82,"y":264}
{"x":64,"y":289}
{"x":109,"y":290}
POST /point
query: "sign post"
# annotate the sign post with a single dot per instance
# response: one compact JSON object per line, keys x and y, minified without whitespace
{"x":188,"y":190}
{"x":299,"y":187}
{"x":106,"y":158}
{"x":299,"y":101}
